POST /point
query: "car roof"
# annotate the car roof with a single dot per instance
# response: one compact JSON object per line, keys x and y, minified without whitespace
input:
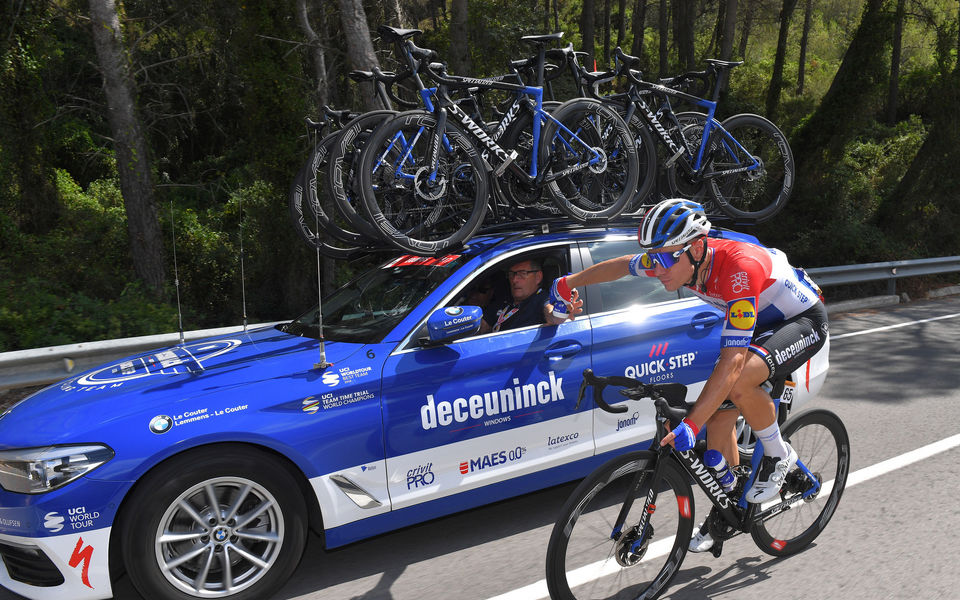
{"x":497,"y":242}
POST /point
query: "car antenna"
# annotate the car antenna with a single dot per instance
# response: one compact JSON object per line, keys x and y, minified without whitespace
{"x":323,"y":364}
{"x":243,"y":287}
{"x":176,"y":273}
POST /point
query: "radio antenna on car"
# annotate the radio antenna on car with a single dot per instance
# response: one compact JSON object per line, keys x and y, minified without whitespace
{"x":322,"y":364}
{"x":243,"y":286}
{"x":176,"y":273}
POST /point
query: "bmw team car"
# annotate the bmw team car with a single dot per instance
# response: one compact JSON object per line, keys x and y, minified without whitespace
{"x":200,"y":468}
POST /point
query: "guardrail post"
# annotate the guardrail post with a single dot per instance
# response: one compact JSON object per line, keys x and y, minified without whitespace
{"x":892,"y":283}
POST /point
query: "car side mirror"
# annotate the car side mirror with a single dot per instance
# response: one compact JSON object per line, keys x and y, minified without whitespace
{"x":452,"y":322}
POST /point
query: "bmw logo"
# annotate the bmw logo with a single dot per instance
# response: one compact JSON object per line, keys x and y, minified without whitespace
{"x":453,"y":311}
{"x":161,"y":424}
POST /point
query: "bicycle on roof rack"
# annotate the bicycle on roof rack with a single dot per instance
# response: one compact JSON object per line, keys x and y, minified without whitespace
{"x":425,"y":171}
{"x":624,"y":530}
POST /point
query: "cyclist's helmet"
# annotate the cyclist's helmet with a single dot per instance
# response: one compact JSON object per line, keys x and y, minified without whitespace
{"x":673,"y":222}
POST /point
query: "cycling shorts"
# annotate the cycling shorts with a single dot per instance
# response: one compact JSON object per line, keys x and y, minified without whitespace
{"x":785,"y":346}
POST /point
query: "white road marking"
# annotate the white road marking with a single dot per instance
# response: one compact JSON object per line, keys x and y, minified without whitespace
{"x":897,"y":326}
{"x":538,"y":590}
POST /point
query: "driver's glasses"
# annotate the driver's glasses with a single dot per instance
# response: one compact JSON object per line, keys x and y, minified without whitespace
{"x":665,"y":259}
{"x":521,"y":274}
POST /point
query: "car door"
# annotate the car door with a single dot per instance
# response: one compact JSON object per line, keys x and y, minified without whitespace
{"x":640,"y":330}
{"x":486,"y":408}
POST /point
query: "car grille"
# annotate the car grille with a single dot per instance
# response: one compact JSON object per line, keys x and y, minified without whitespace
{"x":30,"y":565}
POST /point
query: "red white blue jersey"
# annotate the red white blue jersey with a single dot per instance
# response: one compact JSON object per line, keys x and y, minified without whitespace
{"x":755,"y":286}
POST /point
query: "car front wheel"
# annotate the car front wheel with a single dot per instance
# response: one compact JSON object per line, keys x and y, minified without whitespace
{"x":223,"y":523}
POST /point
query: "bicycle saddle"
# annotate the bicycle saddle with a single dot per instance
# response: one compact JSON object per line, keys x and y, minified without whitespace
{"x":393,"y":34}
{"x":543,"y":38}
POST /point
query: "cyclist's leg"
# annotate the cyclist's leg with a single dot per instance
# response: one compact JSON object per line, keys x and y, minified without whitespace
{"x":722,"y":433}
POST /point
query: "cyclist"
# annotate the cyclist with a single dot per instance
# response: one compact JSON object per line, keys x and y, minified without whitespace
{"x":775,"y":321}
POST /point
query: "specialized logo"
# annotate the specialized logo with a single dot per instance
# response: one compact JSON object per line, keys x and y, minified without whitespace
{"x":491,"y":460}
{"x":702,"y":472}
{"x":420,"y":476}
{"x":161,"y":424}
{"x":83,"y":556}
{"x":53,"y":521}
{"x":490,"y":403}
{"x":742,"y":313}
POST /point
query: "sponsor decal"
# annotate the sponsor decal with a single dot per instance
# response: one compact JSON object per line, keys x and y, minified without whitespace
{"x":453,"y":311}
{"x":161,"y":424}
{"x":742,"y":313}
{"x":53,"y":521}
{"x":628,"y":422}
{"x":82,"y":556}
{"x":702,"y":472}
{"x":420,"y":476}
{"x":345,"y":375}
{"x":795,"y":289}
{"x":491,"y":403}
{"x":78,"y":517}
{"x":331,"y":400}
{"x":561,"y":441}
{"x":662,"y":368}
{"x":181,"y":359}
{"x":409,"y":260}
{"x":310,"y":405}
{"x":782,"y":356}
{"x":4,"y":522}
{"x":492,"y":460}
{"x":740,"y":282}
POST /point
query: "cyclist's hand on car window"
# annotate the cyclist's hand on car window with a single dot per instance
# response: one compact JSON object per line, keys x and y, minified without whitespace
{"x":683,"y":436}
{"x":559,"y":312}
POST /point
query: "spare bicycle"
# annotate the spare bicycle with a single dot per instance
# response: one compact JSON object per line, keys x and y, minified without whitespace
{"x":625,"y":529}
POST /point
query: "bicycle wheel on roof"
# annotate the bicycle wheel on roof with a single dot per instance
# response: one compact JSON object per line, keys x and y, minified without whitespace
{"x":591,"y":157}
{"x":424,"y":198}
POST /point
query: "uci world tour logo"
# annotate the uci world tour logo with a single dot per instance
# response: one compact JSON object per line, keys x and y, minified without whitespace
{"x":331,"y":379}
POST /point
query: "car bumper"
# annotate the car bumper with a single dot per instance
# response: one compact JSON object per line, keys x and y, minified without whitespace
{"x":74,"y":566}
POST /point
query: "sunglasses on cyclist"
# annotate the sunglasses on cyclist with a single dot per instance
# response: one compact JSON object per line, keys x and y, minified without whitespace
{"x":665,"y":259}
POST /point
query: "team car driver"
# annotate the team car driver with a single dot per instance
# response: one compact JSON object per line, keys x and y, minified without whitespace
{"x":775,"y":322}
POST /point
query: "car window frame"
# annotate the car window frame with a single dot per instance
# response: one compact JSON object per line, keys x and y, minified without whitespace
{"x":409,"y":343}
{"x":593,"y":294}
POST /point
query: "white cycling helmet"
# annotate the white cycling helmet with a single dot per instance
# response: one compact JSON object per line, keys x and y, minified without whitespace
{"x":673,"y":222}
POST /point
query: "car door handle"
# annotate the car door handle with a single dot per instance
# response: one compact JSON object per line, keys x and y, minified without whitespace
{"x":704,"y":321}
{"x":564,"y":351}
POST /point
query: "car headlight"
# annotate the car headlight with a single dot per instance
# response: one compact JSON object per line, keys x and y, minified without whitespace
{"x":39,"y":470}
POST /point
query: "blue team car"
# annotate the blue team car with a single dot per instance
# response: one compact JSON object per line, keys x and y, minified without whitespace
{"x":199,"y":469}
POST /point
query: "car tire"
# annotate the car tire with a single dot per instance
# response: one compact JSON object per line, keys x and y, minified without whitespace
{"x":235,"y":511}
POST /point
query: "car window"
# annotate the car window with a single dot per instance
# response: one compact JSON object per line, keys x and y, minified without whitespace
{"x":366,"y":309}
{"x":628,"y":290}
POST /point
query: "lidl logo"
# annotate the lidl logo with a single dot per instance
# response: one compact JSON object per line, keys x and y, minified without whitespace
{"x":742,"y":314}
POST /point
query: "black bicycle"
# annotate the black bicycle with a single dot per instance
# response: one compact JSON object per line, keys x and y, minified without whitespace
{"x":624,"y":531}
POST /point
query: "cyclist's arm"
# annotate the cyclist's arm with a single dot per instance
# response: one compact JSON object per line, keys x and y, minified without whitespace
{"x":608,"y":270}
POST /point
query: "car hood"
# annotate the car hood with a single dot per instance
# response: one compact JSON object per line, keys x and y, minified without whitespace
{"x":140,"y":384}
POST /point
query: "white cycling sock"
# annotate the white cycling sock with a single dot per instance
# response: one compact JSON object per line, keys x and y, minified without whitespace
{"x":773,"y":444}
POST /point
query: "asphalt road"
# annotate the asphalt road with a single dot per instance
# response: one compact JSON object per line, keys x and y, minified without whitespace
{"x":893,"y":535}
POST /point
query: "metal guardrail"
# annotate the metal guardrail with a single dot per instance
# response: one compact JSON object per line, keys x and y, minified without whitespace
{"x":39,"y":366}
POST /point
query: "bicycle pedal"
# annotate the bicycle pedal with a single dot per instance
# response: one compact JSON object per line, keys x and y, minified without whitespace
{"x":669,"y":162}
{"x":503,"y":167}
{"x":717,"y":548}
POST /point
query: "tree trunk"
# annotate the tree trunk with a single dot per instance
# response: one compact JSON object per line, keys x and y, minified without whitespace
{"x":359,"y":46}
{"x":606,"y":32}
{"x":664,"y":24}
{"x":459,"y":39}
{"x":319,"y":59}
{"x":776,"y":79}
{"x":683,"y":21}
{"x":556,"y":15}
{"x":747,"y":26}
{"x":802,"y":63}
{"x":639,"y":26}
{"x":894,"y":87}
{"x":586,"y":31}
{"x":546,"y":16}
{"x":621,"y":22}
{"x":133,"y":156}
{"x":398,"y":16}
{"x":726,"y":39}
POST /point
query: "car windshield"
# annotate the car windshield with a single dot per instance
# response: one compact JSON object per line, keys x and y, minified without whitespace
{"x":367,"y":308}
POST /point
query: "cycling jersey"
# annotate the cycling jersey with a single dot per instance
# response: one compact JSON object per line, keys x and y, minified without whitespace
{"x":755,"y":286}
